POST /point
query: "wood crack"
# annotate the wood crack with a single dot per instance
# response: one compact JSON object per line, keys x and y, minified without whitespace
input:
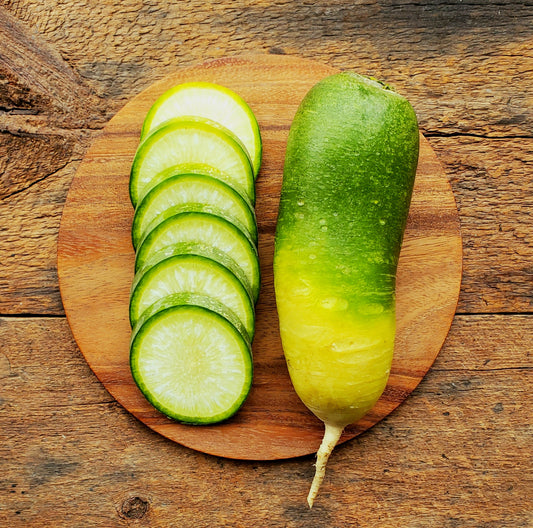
{"x":35,"y":124}
{"x":495,"y":313}
{"x":80,"y":405}
{"x":39,"y":180}
{"x":437,"y":134}
{"x":524,"y":368}
{"x":18,"y":111}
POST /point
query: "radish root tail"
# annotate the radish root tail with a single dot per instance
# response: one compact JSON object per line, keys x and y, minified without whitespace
{"x":331,"y":437}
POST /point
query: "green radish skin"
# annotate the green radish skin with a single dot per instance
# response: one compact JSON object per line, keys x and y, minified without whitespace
{"x":348,"y":178}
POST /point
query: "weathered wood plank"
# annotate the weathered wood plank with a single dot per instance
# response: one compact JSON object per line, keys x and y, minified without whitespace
{"x":45,"y":109}
{"x":497,"y":274}
{"x":29,"y":220}
{"x":464,"y":65}
{"x":35,"y":81}
{"x":28,"y":156}
{"x":493,"y":187}
{"x":456,"y":453}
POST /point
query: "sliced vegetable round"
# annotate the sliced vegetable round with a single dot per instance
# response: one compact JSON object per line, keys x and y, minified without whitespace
{"x":190,"y":145}
{"x":211,"y":101}
{"x":177,"y":299}
{"x":191,"y":364}
{"x":191,"y":274}
{"x":192,"y":192}
{"x":205,"y":229}
{"x":202,"y":250}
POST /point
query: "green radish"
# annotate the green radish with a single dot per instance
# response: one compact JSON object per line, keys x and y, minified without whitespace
{"x":191,"y":274}
{"x":213,"y":102}
{"x":200,"y":249}
{"x":192,"y":184}
{"x":193,"y":299}
{"x":191,"y":145}
{"x":192,"y":192}
{"x":349,"y":171}
{"x":205,"y":229}
{"x":192,"y":364}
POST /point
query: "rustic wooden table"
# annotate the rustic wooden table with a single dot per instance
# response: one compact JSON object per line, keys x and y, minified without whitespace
{"x":456,"y":453}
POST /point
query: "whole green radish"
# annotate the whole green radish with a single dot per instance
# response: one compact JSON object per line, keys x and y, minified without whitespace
{"x":349,"y":172}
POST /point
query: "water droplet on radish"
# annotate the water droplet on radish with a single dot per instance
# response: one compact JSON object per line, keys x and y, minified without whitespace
{"x":334,"y":303}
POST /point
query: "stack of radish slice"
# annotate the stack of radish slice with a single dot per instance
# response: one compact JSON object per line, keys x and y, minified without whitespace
{"x":192,"y":303}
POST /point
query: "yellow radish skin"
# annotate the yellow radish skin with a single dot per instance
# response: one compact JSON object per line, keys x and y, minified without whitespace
{"x":338,"y":361}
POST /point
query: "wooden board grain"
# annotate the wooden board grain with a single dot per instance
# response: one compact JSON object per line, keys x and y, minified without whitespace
{"x":95,"y":267}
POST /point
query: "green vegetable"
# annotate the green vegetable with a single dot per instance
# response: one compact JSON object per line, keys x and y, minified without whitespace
{"x":201,"y":249}
{"x":194,"y":230}
{"x":192,"y":364}
{"x":177,"y":299}
{"x":211,"y":101}
{"x":191,"y":145}
{"x":208,"y":230}
{"x":349,"y":172}
{"x":192,"y":192}
{"x":192,"y":274}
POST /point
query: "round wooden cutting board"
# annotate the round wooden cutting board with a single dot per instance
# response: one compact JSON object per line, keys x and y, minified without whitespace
{"x":95,"y":266}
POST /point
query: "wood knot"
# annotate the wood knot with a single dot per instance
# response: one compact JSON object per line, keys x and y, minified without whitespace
{"x":133,"y":508}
